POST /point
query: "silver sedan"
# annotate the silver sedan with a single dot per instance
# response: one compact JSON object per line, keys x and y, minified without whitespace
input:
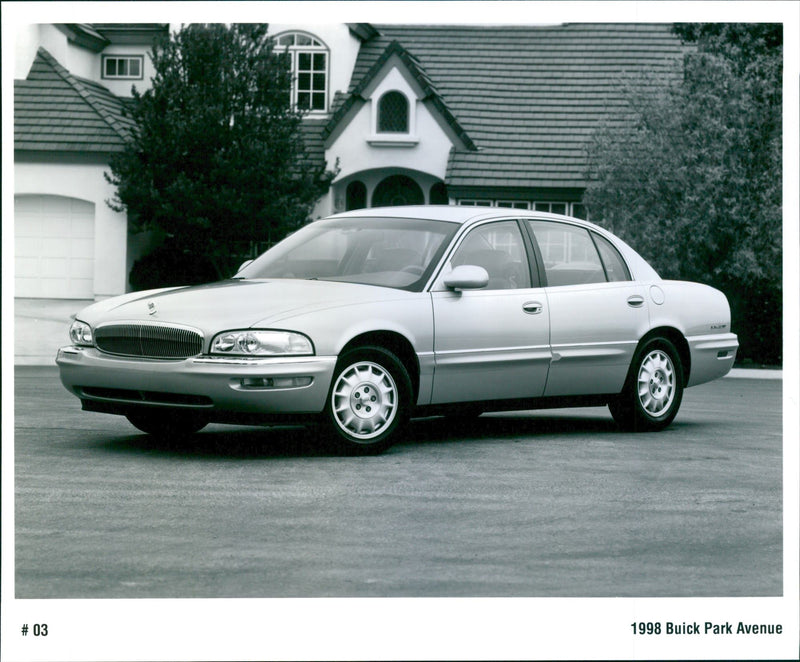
{"x":361,"y":320}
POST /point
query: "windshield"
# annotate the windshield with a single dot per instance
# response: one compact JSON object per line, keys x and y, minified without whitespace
{"x":396,"y":252}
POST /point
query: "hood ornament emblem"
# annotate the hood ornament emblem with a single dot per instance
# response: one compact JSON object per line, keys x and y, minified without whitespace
{"x":151,"y":308}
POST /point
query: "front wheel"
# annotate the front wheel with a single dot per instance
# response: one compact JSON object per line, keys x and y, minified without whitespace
{"x":167,"y":424}
{"x":369,"y":401}
{"x":653,"y":390}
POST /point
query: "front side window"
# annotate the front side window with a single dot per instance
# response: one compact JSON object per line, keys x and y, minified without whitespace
{"x":498,"y":248}
{"x":126,"y":67}
{"x":309,"y":64}
{"x":571,"y":256}
{"x":393,"y":113}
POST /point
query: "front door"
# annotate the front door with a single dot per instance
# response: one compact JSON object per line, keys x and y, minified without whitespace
{"x":491,"y":343}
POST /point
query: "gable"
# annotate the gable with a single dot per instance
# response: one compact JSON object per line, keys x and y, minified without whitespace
{"x":395,"y":58}
{"x":56,"y":111}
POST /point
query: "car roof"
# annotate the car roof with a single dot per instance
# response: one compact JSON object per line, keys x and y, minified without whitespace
{"x":640,"y":269}
{"x":454,"y":213}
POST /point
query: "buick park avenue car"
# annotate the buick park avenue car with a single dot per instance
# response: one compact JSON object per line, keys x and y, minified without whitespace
{"x":358,"y":321}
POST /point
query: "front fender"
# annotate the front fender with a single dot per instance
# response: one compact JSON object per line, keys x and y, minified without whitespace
{"x":333,"y":328}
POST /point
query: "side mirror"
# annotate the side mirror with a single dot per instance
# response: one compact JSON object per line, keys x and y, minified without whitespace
{"x":466,"y":277}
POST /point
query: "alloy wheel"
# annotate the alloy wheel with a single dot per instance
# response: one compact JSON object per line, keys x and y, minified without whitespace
{"x":656,"y":383}
{"x":364,"y":400}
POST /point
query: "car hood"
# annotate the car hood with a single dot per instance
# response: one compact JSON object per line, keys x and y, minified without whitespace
{"x":234,"y":304}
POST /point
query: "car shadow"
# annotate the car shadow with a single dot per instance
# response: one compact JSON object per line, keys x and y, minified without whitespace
{"x":508,"y":425}
{"x":296,"y":441}
{"x":232,"y":442}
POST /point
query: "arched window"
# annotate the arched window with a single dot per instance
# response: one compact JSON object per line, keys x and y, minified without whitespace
{"x":438,"y":195}
{"x":309,"y":63}
{"x":393,"y":113}
{"x":397,"y":190}
{"x":356,"y":196}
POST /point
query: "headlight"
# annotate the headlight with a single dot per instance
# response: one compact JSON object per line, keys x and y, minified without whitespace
{"x":80,"y":333}
{"x":252,"y":342}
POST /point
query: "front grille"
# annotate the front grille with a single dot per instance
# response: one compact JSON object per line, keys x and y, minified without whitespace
{"x":148,"y":340}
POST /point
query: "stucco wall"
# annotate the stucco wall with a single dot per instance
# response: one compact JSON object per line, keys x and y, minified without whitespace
{"x":27,"y":42}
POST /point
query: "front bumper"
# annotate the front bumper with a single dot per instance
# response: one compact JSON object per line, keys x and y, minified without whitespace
{"x":264,"y":386}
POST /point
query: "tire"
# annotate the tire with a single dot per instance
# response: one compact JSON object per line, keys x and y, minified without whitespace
{"x":653,"y":389}
{"x":368,"y":403}
{"x":167,"y":423}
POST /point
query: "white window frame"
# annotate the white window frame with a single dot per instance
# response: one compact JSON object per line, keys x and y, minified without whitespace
{"x":128,"y":58}
{"x":524,"y":204}
{"x":394,"y":81}
{"x":513,"y":204}
{"x":317,"y":46}
{"x":569,"y":207}
{"x":539,"y":206}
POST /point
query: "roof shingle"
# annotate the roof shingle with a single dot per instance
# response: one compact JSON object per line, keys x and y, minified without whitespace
{"x":528,"y":97}
{"x":56,"y":111}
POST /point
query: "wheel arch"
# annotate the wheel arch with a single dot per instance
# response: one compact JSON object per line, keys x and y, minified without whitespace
{"x":396,"y":343}
{"x":678,"y":340}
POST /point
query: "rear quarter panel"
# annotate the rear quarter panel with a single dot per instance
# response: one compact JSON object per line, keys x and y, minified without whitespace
{"x":702,"y":314}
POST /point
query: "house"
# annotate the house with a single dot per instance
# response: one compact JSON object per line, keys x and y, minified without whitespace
{"x":69,"y":94}
{"x":460,"y":114}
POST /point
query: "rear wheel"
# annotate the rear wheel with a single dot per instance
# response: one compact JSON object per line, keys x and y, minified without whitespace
{"x":369,"y":401}
{"x":653,"y":390}
{"x":167,"y":424}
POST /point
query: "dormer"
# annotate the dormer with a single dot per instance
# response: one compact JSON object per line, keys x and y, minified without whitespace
{"x":396,"y":87}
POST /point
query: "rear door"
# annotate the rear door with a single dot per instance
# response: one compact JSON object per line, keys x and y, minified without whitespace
{"x":491,"y":343}
{"x":597,"y":313}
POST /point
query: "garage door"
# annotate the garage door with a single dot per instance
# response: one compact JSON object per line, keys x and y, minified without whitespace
{"x":54,"y":247}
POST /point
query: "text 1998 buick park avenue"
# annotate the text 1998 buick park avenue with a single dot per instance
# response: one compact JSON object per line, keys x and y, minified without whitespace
{"x":361,"y":320}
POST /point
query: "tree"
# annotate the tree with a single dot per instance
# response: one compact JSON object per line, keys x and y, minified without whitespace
{"x":691,"y":176}
{"x":217,"y":156}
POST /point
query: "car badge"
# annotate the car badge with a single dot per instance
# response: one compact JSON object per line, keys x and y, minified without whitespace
{"x":151,"y":308}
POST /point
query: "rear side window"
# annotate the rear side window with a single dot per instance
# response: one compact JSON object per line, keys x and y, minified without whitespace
{"x":616,"y":270}
{"x":569,"y":254}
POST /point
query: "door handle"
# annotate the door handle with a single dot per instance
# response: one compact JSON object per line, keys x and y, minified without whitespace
{"x":636,"y":301}
{"x":532,"y":307}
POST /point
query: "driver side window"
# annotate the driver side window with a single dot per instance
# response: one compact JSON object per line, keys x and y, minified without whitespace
{"x":498,"y":248}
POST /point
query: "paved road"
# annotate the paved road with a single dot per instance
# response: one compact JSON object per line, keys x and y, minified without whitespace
{"x":554,"y":503}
